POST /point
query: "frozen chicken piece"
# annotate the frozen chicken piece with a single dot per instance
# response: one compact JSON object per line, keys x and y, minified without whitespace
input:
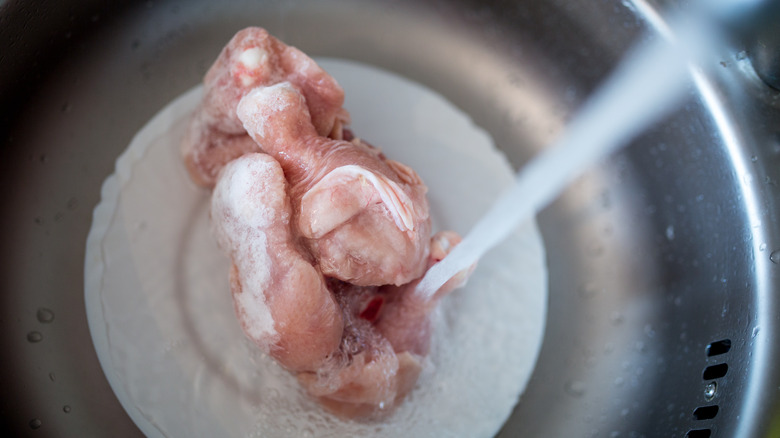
{"x":327,"y":237}
{"x":365,"y":217}
{"x":253,"y":58}
{"x":357,"y":349}
{"x":280,"y":298}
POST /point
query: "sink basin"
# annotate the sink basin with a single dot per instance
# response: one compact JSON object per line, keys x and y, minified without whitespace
{"x":663,"y":260}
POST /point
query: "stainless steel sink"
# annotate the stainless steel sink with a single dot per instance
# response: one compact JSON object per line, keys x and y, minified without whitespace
{"x":663,"y":262}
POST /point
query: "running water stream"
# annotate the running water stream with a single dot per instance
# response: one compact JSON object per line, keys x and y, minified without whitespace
{"x":648,"y":84}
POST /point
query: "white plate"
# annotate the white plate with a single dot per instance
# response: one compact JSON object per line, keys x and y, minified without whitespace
{"x":161,"y":316}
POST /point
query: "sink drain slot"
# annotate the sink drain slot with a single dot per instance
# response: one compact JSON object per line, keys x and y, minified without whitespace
{"x":719,"y":347}
{"x":715,"y":371}
{"x":709,"y":375}
{"x":705,"y":412}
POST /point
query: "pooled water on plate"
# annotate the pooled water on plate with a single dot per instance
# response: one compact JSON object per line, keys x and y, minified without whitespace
{"x":646,"y":86}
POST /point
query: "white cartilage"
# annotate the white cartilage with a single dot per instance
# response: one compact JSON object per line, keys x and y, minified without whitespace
{"x":395,"y":199}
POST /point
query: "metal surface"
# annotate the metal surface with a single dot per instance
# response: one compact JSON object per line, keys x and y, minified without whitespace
{"x":653,"y":256}
{"x":763,"y":42}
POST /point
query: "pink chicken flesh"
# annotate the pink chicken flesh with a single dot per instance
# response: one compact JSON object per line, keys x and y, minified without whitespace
{"x":253,"y":58}
{"x":358,"y":349}
{"x":327,"y":237}
{"x":365,"y":218}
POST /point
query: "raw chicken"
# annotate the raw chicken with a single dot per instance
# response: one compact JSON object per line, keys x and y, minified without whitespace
{"x":328,"y":238}
{"x":358,"y":349}
{"x":280,"y":298}
{"x":365,"y":217}
{"x":253,"y":58}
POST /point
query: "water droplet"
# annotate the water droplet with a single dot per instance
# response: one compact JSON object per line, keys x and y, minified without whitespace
{"x":44,"y":315}
{"x":710,"y":390}
{"x":66,"y":409}
{"x":606,"y":200}
{"x":756,"y":329}
{"x":595,"y":249}
{"x":670,"y":232}
{"x":741,"y":55}
{"x":775,"y":256}
{"x":616,"y":318}
{"x":34,"y":337}
{"x":762,"y":247}
{"x":588,"y":290}
{"x":753,"y":158}
{"x":649,"y":331}
{"x":747,"y":178}
{"x":52,"y":377}
{"x":574,"y":388}
{"x":35,"y":423}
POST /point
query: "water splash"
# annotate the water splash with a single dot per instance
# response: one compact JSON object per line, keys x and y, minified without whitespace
{"x":648,"y":84}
